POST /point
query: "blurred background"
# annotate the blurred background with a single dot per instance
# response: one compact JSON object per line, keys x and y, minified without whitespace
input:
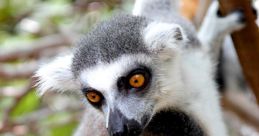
{"x":34,"y":31}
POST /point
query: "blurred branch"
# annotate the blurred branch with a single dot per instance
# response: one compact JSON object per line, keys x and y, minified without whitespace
{"x":34,"y":49}
{"x":84,"y":5}
{"x":245,"y":109}
{"x":7,"y":124}
{"x":22,"y":16}
{"x":10,"y":91}
{"x":201,"y":12}
{"x":24,"y":71}
{"x":189,"y":8}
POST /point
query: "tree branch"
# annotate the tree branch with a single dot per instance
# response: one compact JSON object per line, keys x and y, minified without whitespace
{"x":24,"y":71}
{"x":6,"y":123}
{"x":34,"y":49}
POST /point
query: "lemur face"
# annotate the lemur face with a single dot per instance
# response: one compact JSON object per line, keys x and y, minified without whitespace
{"x":128,"y":69}
{"x":122,"y":91}
{"x":129,"y":94}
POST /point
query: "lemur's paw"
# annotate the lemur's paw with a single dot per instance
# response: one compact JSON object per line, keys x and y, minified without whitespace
{"x":236,"y":20}
{"x":219,"y":13}
{"x":254,"y":11}
{"x":236,"y":17}
{"x":241,"y":15}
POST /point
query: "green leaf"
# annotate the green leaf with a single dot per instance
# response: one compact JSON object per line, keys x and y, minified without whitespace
{"x":28,"y":103}
{"x":63,"y":130}
{"x":57,"y":117}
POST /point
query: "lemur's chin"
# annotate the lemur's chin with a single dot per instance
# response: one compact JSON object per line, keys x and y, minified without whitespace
{"x":172,"y":123}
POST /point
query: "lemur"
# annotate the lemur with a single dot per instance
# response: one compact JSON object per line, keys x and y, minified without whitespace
{"x":148,"y":73}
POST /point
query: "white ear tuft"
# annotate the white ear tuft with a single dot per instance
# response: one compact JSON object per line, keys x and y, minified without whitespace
{"x":159,"y":35}
{"x":164,"y":38}
{"x":56,"y":76}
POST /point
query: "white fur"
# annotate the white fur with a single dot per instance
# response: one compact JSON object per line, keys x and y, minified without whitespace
{"x":186,"y":83}
{"x":162,"y":38}
{"x":137,"y":7}
{"x":140,"y":6}
{"x":204,"y":104}
{"x":163,"y":33}
{"x":214,"y":29}
{"x":57,"y":75}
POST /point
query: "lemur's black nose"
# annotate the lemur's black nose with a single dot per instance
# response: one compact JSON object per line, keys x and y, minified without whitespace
{"x":119,"y":125}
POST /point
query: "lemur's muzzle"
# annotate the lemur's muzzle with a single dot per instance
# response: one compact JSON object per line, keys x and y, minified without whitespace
{"x":119,"y":125}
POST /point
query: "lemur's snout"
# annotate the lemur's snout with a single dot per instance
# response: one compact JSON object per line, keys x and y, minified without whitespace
{"x":119,"y":125}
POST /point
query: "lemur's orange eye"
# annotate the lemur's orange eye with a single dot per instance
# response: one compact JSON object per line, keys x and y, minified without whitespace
{"x":137,"y":80}
{"x":93,"y":97}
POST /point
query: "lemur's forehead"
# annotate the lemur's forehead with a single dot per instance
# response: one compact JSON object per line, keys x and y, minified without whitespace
{"x":104,"y":76}
{"x":109,"y":40}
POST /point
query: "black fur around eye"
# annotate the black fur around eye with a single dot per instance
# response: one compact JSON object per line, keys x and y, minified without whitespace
{"x":136,"y":80}
{"x":121,"y":84}
{"x":94,"y":97}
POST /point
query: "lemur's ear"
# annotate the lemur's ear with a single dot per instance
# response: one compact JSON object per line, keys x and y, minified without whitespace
{"x":164,"y":38}
{"x":56,"y":76}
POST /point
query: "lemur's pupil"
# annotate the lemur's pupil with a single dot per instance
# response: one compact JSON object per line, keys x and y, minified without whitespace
{"x":136,"y":81}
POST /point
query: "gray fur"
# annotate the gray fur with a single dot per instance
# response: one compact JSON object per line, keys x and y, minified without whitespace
{"x":188,"y":27}
{"x":109,"y":40}
{"x":156,"y":8}
{"x":166,"y":11}
{"x":178,"y":34}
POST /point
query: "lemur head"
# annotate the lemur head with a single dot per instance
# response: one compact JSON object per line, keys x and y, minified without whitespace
{"x":129,"y":69}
